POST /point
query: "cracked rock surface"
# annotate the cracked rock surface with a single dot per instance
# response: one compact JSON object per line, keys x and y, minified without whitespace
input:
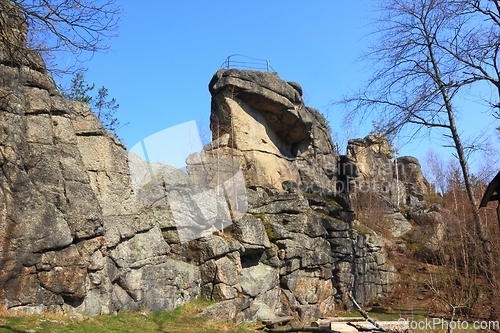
{"x":75,"y":238}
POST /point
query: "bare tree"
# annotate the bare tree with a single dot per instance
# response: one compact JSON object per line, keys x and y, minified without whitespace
{"x":434,"y":171}
{"x":429,"y":55}
{"x":478,"y":44}
{"x":51,"y":27}
{"x":419,"y":80}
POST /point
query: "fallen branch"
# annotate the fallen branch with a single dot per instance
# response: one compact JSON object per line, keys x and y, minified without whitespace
{"x":274,"y":321}
{"x":392,"y":326}
{"x":300,"y":329}
{"x":366,"y":316}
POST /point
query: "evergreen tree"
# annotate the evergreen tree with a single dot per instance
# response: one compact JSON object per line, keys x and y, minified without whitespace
{"x":104,"y":108}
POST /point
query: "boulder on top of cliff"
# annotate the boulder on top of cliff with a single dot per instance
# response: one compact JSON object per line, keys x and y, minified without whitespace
{"x":271,"y":133}
{"x":278,"y":102}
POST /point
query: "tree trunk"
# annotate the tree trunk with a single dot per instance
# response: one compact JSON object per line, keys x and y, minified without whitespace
{"x":480,"y":229}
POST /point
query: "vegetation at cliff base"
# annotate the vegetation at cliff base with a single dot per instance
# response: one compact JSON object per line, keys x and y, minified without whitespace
{"x":180,"y":320}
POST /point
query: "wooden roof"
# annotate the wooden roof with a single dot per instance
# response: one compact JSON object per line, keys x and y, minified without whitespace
{"x":492,"y":192}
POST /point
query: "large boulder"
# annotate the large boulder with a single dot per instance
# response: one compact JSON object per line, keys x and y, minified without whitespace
{"x":271,"y":132}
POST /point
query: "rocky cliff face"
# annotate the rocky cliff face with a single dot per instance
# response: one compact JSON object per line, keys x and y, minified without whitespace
{"x":75,"y":237}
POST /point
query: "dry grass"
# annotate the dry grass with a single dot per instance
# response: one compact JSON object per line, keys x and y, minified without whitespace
{"x":371,"y":211}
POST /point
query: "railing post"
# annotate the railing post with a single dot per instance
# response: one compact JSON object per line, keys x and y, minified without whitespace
{"x":253,"y":64}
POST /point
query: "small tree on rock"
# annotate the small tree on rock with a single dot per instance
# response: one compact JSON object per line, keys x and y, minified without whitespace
{"x":104,"y":108}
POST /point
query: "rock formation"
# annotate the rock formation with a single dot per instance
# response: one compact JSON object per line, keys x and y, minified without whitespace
{"x":271,"y":132}
{"x":370,"y":165}
{"x":76,"y":238}
{"x":388,"y":184}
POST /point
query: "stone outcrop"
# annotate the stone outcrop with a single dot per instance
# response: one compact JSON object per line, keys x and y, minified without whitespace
{"x":393,"y":187}
{"x":269,"y":130}
{"x":73,"y":236}
{"x":370,"y":166}
{"x":260,"y":122}
{"x":371,"y":157}
{"x":410,"y":173}
{"x":389,"y":185}
{"x":76,"y":236}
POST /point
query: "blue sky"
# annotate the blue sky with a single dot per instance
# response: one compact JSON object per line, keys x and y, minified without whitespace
{"x":159,"y":67}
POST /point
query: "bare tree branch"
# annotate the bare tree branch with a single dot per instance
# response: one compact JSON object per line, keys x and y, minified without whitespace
{"x":53,"y":27}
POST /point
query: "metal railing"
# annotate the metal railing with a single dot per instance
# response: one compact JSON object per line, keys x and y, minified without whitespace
{"x":241,"y":61}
